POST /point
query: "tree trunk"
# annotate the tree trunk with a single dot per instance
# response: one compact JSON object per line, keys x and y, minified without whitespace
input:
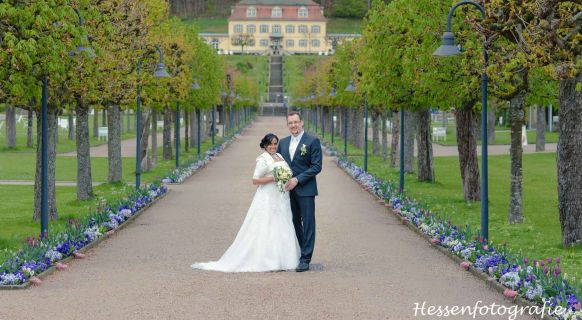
{"x":84,"y":178}
{"x":70,"y":119}
{"x":467,"y":147}
{"x":194,"y":127}
{"x":95,"y":123}
{"x":51,"y":145}
{"x":114,"y":144}
{"x":186,"y":131}
{"x":376,"y":133}
{"x":29,"y":126}
{"x":356,"y":127}
{"x":153,"y":158}
{"x":167,"y":135}
{"x":570,"y":161}
{"x":339,"y":122}
{"x":516,"y":121}
{"x":541,"y":129}
{"x":128,"y":121}
{"x":491,"y":125}
{"x":425,"y":159}
{"x":143,"y":145}
{"x":383,"y":118}
{"x":409,"y":132}
{"x":104,"y":118}
{"x":395,"y":139}
{"x":11,"y":127}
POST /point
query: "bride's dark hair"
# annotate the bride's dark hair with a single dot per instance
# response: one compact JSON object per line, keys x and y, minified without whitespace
{"x":267,"y":140}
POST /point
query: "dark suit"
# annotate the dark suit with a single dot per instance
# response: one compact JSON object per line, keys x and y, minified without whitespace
{"x":305,"y":167}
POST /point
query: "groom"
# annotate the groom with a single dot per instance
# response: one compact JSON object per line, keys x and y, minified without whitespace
{"x":303,"y":154}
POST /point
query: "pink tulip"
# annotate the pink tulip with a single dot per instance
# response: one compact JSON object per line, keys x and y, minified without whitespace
{"x":466,"y":265}
{"x":486,"y":247}
{"x":577,"y":306}
{"x":549,"y":260}
{"x":525,"y":260}
{"x":435,"y":241}
{"x":61,"y":266}
{"x":35,"y":281}
{"x":510,"y":293}
{"x":558,"y":260}
{"x":79,"y":255}
{"x":110,"y":233}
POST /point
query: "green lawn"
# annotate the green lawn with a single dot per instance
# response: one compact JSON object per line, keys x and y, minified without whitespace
{"x":214,"y":25}
{"x":539,"y":236}
{"x":254,"y":67}
{"x":294,"y":68}
{"x":502,"y":136}
{"x":64,"y":144}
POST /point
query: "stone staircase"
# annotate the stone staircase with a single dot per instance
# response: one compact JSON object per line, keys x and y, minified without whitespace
{"x":275,"y":105}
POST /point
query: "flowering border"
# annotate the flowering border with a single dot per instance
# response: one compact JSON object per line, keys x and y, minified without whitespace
{"x":39,"y":258}
{"x":535,"y":283}
{"x":179,"y":175}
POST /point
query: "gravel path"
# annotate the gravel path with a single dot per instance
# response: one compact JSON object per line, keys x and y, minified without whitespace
{"x":366,"y":264}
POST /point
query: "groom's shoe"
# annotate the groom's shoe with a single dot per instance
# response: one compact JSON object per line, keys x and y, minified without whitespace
{"x":303,"y":266}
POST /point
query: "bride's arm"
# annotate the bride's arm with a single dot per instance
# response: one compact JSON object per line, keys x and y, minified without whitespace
{"x":263,"y":180}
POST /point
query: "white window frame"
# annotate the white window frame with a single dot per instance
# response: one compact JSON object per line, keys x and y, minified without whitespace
{"x":251,"y":28}
{"x":314,"y":28}
{"x":251,"y":12}
{"x":303,"y":12}
{"x":264,"y":28}
{"x":238,"y":28}
{"x":304,"y":27}
{"x":303,"y":43}
{"x":264,"y":43}
{"x":277,"y":12}
{"x":290,"y":43}
{"x":315,"y":43}
{"x":276,"y":27}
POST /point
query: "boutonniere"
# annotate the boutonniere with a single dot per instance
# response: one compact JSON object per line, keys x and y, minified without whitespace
{"x":303,"y":149}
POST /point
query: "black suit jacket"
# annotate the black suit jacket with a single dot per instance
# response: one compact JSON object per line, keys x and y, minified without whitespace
{"x":306,"y":164}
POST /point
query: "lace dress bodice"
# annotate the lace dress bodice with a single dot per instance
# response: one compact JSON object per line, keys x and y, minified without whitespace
{"x":265,"y":165}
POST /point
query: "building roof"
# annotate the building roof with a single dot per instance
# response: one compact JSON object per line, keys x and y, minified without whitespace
{"x":278,"y":3}
{"x":289,"y":9}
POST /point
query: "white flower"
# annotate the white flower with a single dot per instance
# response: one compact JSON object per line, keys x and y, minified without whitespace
{"x":510,"y":280}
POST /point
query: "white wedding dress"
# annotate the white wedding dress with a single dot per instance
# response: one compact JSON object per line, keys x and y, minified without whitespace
{"x":266,"y":241}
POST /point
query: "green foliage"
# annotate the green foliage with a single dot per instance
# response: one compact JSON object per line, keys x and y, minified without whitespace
{"x":348,"y":9}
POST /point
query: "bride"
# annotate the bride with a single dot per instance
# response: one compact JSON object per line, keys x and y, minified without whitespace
{"x":266,"y":241}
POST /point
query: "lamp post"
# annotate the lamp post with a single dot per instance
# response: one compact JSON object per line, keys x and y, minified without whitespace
{"x":195,"y":86}
{"x":332,"y":94}
{"x":160,"y":72}
{"x":349,"y":88}
{"x":223,"y":95}
{"x":448,"y":48}
{"x":401,"y":186}
{"x":177,"y":133}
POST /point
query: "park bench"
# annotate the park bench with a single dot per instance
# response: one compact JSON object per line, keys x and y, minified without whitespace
{"x":439,"y":132}
{"x":102,"y":132}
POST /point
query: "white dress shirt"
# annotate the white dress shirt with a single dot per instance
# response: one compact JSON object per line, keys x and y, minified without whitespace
{"x":294,"y":143}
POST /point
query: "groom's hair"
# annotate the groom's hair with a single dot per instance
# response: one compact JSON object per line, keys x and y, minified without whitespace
{"x":294,"y":113}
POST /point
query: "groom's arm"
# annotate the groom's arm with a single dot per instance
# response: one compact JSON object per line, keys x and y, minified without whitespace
{"x":316,"y":162}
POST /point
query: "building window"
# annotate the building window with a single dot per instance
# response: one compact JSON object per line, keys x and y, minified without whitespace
{"x":290,"y":43}
{"x":302,"y":13}
{"x":303,"y":43}
{"x":302,"y":28}
{"x":238,"y":28}
{"x":264,"y":28}
{"x":215,"y":44}
{"x":251,"y":28}
{"x":251,"y":12}
{"x":315,"y":43}
{"x":264,"y":43}
{"x":277,"y":12}
{"x":290,"y":28}
{"x":276,"y":28}
{"x":315,"y":29}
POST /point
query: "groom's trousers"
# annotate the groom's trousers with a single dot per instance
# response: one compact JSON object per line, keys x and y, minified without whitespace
{"x":303,"y":209}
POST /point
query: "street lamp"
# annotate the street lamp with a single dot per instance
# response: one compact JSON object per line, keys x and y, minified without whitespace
{"x":195,"y":86}
{"x":332,"y":94}
{"x":160,"y":72}
{"x":448,"y":48}
{"x":349,"y":88}
{"x":44,"y":219}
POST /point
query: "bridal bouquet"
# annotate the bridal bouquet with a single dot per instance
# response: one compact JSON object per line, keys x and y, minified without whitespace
{"x":282,"y":175}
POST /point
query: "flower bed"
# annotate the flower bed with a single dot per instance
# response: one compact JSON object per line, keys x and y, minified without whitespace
{"x":540,"y":282}
{"x":40,"y":256}
{"x":180,"y":174}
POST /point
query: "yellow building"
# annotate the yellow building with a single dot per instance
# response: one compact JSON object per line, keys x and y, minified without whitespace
{"x":276,"y":27}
